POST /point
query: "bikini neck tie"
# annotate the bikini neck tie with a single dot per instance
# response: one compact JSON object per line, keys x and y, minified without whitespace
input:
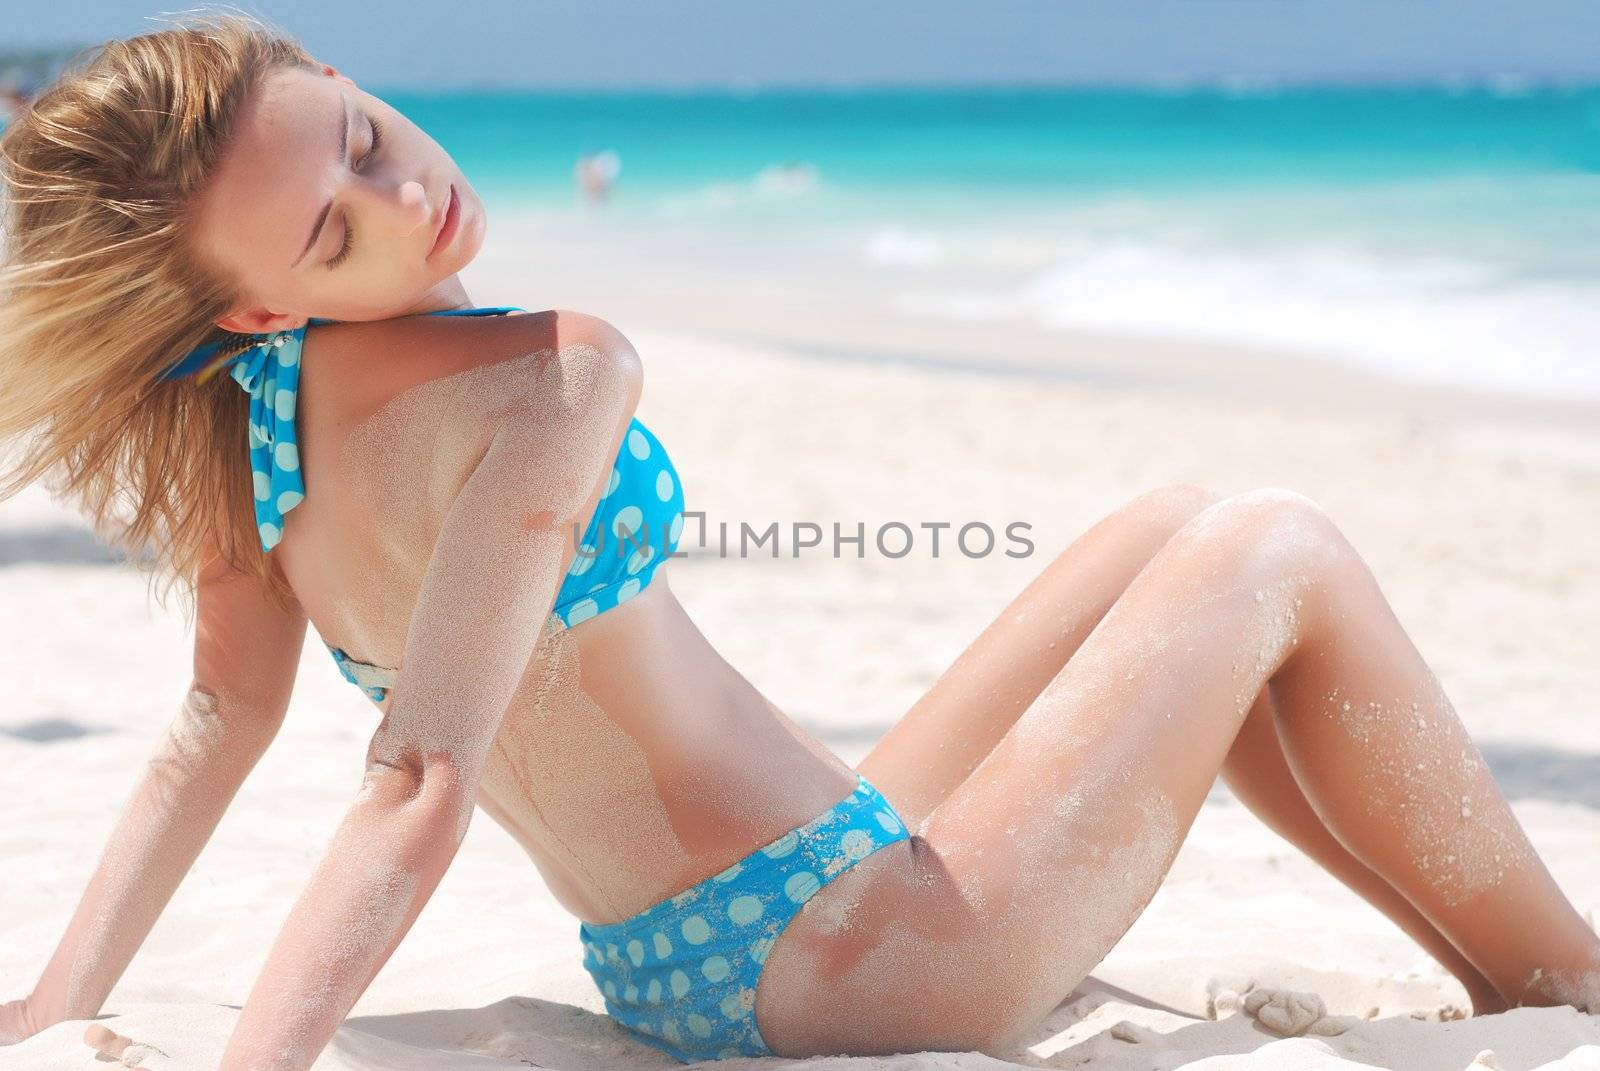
{"x":268,"y":370}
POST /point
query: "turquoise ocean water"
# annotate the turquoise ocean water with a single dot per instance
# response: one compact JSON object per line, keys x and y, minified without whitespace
{"x":1440,"y":232}
{"x":1435,"y":232}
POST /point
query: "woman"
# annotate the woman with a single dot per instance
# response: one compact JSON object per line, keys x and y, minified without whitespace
{"x":407,"y":482}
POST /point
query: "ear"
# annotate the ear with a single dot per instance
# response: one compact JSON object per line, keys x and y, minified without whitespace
{"x":333,"y":72}
{"x":259,"y":321}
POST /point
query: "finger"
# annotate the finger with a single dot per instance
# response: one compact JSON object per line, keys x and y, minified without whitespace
{"x":105,"y":1041}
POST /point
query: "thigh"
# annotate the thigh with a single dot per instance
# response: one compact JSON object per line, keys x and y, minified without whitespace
{"x":952,"y":728}
{"x":1022,"y":880}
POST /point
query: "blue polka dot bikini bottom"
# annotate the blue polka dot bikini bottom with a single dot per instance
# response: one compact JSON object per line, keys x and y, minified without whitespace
{"x":681,"y":975}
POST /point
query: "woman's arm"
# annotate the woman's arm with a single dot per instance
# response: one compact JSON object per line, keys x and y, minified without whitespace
{"x":482,"y":606}
{"x":245,"y":656}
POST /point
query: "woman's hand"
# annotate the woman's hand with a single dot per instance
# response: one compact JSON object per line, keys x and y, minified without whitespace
{"x":17,"y":1022}
{"x":245,"y":655}
{"x":110,"y":1045}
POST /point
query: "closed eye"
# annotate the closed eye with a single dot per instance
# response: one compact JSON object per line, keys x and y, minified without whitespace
{"x":344,"y":248}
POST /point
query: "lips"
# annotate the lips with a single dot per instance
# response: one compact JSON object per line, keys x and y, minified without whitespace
{"x":447,"y":223}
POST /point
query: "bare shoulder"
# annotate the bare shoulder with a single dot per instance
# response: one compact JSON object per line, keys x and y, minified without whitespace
{"x":416,"y":402}
{"x":362,"y":367}
{"x":580,"y":371}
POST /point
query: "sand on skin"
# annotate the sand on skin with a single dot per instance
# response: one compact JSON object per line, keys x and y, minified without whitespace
{"x":1477,"y":523}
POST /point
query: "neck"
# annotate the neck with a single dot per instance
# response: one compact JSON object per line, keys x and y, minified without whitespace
{"x":448,"y":293}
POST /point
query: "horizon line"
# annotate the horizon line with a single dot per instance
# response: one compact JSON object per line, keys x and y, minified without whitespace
{"x":1506,"y":85}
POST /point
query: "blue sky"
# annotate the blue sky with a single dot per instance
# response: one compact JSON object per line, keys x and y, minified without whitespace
{"x":618,"y":43}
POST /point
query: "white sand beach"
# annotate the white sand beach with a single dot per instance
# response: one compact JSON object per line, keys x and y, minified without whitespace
{"x":791,"y":396}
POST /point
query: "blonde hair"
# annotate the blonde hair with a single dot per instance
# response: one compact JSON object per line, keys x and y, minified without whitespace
{"x":100,"y":293}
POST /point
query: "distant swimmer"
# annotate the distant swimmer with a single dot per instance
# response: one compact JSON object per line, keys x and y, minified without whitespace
{"x":793,"y":177}
{"x":596,"y":173}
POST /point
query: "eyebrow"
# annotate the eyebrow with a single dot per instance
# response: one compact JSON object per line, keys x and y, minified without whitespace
{"x":322,"y":217}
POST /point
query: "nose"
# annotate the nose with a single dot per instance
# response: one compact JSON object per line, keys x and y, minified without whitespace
{"x":398,"y":208}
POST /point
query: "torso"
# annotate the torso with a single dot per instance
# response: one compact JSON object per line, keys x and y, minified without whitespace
{"x":633,"y":760}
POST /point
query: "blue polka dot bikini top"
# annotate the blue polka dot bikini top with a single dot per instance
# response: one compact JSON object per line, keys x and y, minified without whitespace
{"x":634,"y":527}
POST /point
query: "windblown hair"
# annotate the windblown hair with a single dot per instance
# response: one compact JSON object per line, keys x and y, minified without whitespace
{"x":100,"y":293}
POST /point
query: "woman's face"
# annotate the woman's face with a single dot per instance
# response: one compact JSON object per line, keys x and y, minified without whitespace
{"x":327,"y":203}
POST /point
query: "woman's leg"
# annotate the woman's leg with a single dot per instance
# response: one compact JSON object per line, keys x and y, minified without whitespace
{"x":1257,"y":773}
{"x":1024,"y":877}
{"x":952,"y":728}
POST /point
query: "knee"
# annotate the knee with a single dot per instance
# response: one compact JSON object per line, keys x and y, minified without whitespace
{"x":1171,"y":506}
{"x":1273,"y":525}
